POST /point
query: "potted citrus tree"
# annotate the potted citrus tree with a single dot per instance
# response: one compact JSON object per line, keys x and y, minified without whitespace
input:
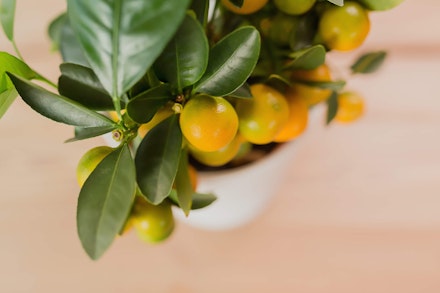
{"x":183,"y":87}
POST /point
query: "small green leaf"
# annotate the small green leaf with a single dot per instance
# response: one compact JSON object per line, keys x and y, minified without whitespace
{"x":183,"y":183}
{"x":132,"y":33}
{"x":58,"y":108}
{"x":333,"y":85}
{"x":339,"y":2}
{"x":332,"y":107}
{"x":89,"y":132}
{"x":201,"y":9}
{"x":12,"y":64}
{"x":6,"y":99}
{"x":7,"y":15}
{"x":157,"y":160}
{"x":231,"y":62}
{"x":201,"y":200}
{"x":243,"y":92}
{"x":185,"y":58}
{"x":55,"y":30}
{"x":92,"y":94}
{"x":105,"y":201}
{"x":309,"y":58}
{"x":369,"y":63}
{"x":143,"y":107}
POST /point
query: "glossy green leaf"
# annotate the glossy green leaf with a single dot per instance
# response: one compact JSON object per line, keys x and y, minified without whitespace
{"x":122,"y":38}
{"x":55,"y":30}
{"x":369,"y":63}
{"x":7,"y":97}
{"x":143,"y":107}
{"x":7,"y":15}
{"x":309,"y":58}
{"x":243,"y":92}
{"x":185,"y":58}
{"x":10,"y":63}
{"x":183,"y":184}
{"x":231,"y":62}
{"x":89,"y":132}
{"x":92,"y":94}
{"x":70,"y":47}
{"x":56,"y":107}
{"x":105,"y":201}
{"x":201,"y":200}
{"x":339,"y":2}
{"x":333,"y":85}
{"x":157,"y":160}
{"x":332,"y":107}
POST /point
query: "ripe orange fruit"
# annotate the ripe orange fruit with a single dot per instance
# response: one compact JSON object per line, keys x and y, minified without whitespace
{"x":263,"y":116}
{"x":208,"y":123}
{"x":298,"y":118}
{"x":89,"y":161}
{"x":153,"y":223}
{"x":344,"y":28}
{"x":350,"y":107}
{"x":311,"y":95}
{"x":249,"y":6}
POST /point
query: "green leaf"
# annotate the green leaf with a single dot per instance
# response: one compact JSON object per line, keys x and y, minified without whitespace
{"x":55,"y":30}
{"x":122,"y":38}
{"x":339,"y":2}
{"x":70,"y":47}
{"x":231,"y":62}
{"x":332,"y":107}
{"x":157,"y":160}
{"x":12,"y":64}
{"x":185,"y":58}
{"x":201,"y":200}
{"x":201,"y":9}
{"x":243,"y":92}
{"x":105,"y":201}
{"x":309,"y":58}
{"x":303,"y":35}
{"x":89,"y":132}
{"x":6,"y":99}
{"x":333,"y":85}
{"x":238,"y":3}
{"x":92,"y":94}
{"x":369,"y":63}
{"x":58,"y":108}
{"x":142,"y":108}
{"x":7,"y":15}
{"x":183,"y":183}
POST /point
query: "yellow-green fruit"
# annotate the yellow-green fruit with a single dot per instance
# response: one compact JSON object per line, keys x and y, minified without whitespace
{"x":89,"y":161}
{"x":219,"y":157}
{"x":344,"y":28}
{"x":294,"y":7}
{"x":263,"y":116}
{"x":153,"y":223}
{"x":208,"y":123}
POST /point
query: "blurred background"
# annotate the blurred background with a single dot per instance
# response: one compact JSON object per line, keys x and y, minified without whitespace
{"x":358,"y":213}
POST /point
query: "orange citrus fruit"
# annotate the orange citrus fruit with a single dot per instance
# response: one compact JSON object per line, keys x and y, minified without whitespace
{"x":350,"y":107}
{"x":208,"y":123}
{"x":298,"y":118}
{"x":263,"y":116}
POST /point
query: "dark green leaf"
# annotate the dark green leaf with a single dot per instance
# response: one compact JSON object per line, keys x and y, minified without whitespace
{"x":57,"y":107}
{"x":201,"y":200}
{"x":7,"y":15}
{"x":305,"y":31}
{"x":333,"y":85}
{"x":12,"y":64}
{"x":332,"y":107}
{"x":201,"y":8}
{"x":105,"y":201}
{"x":91,"y":94}
{"x":183,"y":183}
{"x":243,"y":92}
{"x":185,"y":58}
{"x":238,"y":3}
{"x":70,"y":47}
{"x":132,"y":33}
{"x":309,"y":58}
{"x":88,"y":132}
{"x":143,"y":107}
{"x":55,"y":30}
{"x":6,"y":99}
{"x":157,"y":160}
{"x":369,"y":63}
{"x":231,"y":62}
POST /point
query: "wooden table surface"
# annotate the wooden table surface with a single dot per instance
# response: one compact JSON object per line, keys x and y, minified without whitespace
{"x":358,"y":213}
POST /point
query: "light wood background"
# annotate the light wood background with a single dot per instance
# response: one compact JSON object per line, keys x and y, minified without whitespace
{"x":360,"y":211}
